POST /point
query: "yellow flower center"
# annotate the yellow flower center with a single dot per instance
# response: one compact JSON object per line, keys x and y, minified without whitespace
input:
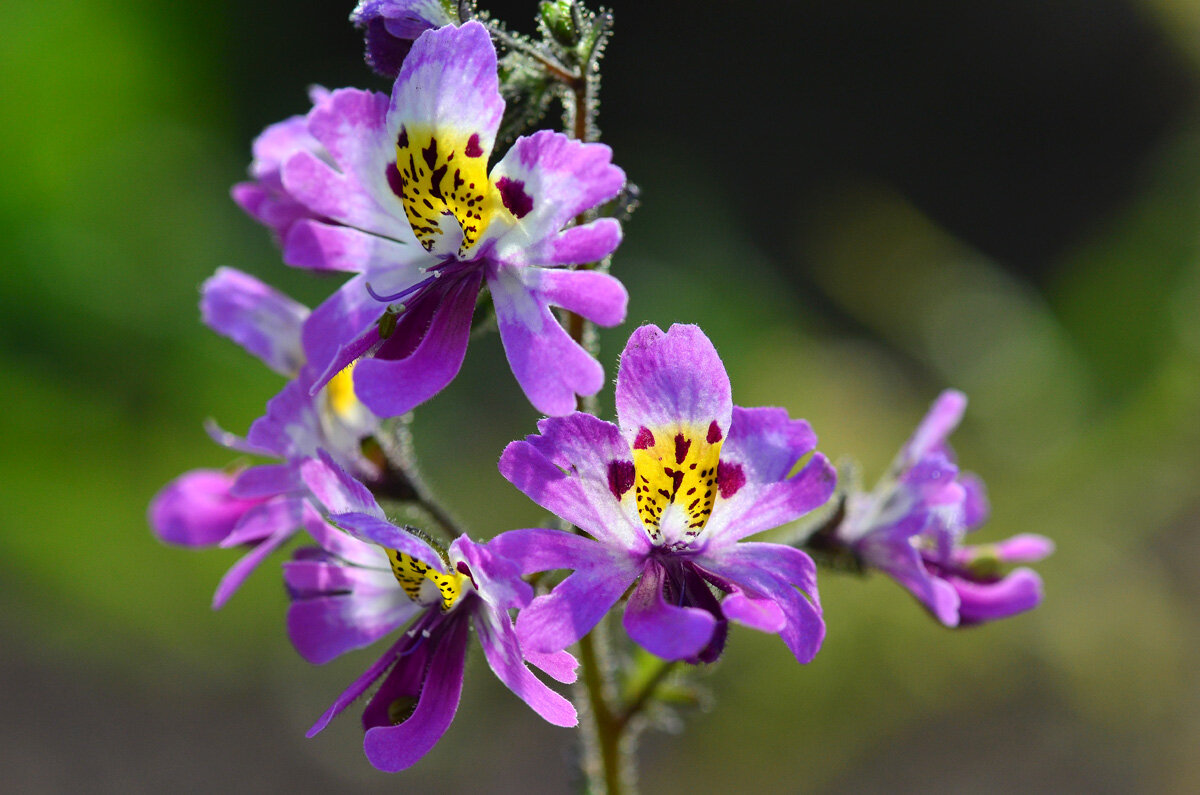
{"x":423,"y":584}
{"x":339,"y":393}
{"x":443,"y":173}
{"x":676,"y":466}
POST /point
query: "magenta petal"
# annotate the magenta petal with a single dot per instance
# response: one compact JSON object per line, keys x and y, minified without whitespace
{"x":550,"y":487}
{"x":565,"y":470}
{"x":556,"y":620}
{"x":266,"y":480}
{"x":324,"y":627}
{"x":265,"y":199}
{"x":1021,"y":590}
{"x":938,"y":596}
{"x":259,"y":318}
{"x":338,"y":321}
{"x":788,"y":563}
{"x":541,"y":549}
{"x":406,"y":678}
{"x":232,"y":441}
{"x":261,"y":521}
{"x":449,"y":82}
{"x":392,"y":25}
{"x":559,"y":178}
{"x":670,"y":632}
{"x":315,"y":576}
{"x":497,"y":578}
{"x":599,"y":297}
{"x":503,"y":654}
{"x":289,"y":428}
{"x":321,"y":246}
{"x":196,"y":509}
{"x":1024,"y":548}
{"x":342,"y":545}
{"x":395,"y":748}
{"x":754,"y":569}
{"x":762,"y":614}
{"x":941,"y":420}
{"x":583,"y":244}
{"x":336,"y":489}
{"x":891,"y":551}
{"x":374,"y":530}
{"x":975,"y":501}
{"x":239,"y":571}
{"x":551,"y":367}
{"x":353,"y":189}
{"x":758,"y":507}
{"x":359,"y":686}
{"x":559,"y":665}
{"x":767,"y":443}
{"x":670,"y":378}
{"x":391,"y":387}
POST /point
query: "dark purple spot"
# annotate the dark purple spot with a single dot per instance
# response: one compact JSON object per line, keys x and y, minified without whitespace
{"x":394,"y":180}
{"x":714,"y":433}
{"x":676,"y":480}
{"x":620,"y":477}
{"x":512,"y":193}
{"x":463,"y":568}
{"x":682,"y":443}
{"x":473,"y":148}
{"x":644,"y":439}
{"x":402,"y":140}
{"x":730,"y":478}
{"x":435,"y":183}
{"x":430,"y":153}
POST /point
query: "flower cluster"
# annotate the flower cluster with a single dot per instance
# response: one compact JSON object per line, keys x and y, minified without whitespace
{"x":912,"y":525}
{"x":653,"y":512}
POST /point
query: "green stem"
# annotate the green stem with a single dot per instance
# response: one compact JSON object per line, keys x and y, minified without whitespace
{"x":402,"y":479}
{"x":647,"y":691}
{"x":608,"y":732}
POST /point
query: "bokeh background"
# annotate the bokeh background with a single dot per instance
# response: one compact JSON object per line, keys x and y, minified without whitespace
{"x":862,"y":203}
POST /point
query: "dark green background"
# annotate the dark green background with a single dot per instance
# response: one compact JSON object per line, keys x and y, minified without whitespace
{"x":861,"y":202}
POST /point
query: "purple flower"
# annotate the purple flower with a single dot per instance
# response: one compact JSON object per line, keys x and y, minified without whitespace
{"x":262,"y":506}
{"x":666,"y":497}
{"x":912,"y":527}
{"x":399,"y":192}
{"x":353,"y":591}
{"x":391,"y":26}
{"x":264,"y":198}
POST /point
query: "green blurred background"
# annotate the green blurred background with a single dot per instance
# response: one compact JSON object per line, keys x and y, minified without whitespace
{"x":861,"y":202}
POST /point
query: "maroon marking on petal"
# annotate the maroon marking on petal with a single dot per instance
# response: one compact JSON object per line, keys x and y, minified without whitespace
{"x":620,"y":477}
{"x":402,"y":140}
{"x":473,"y":148}
{"x":730,"y":478}
{"x":512,"y":193}
{"x":394,"y":180}
{"x":676,"y":481}
{"x":463,"y":568}
{"x":714,"y":433}
{"x":435,"y":183}
{"x":644,"y":439}
{"x":430,"y":153}
{"x":682,"y":443}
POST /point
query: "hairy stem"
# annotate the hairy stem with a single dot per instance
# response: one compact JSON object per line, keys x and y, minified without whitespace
{"x":402,"y":479}
{"x":612,"y":773}
{"x":643,"y":696}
